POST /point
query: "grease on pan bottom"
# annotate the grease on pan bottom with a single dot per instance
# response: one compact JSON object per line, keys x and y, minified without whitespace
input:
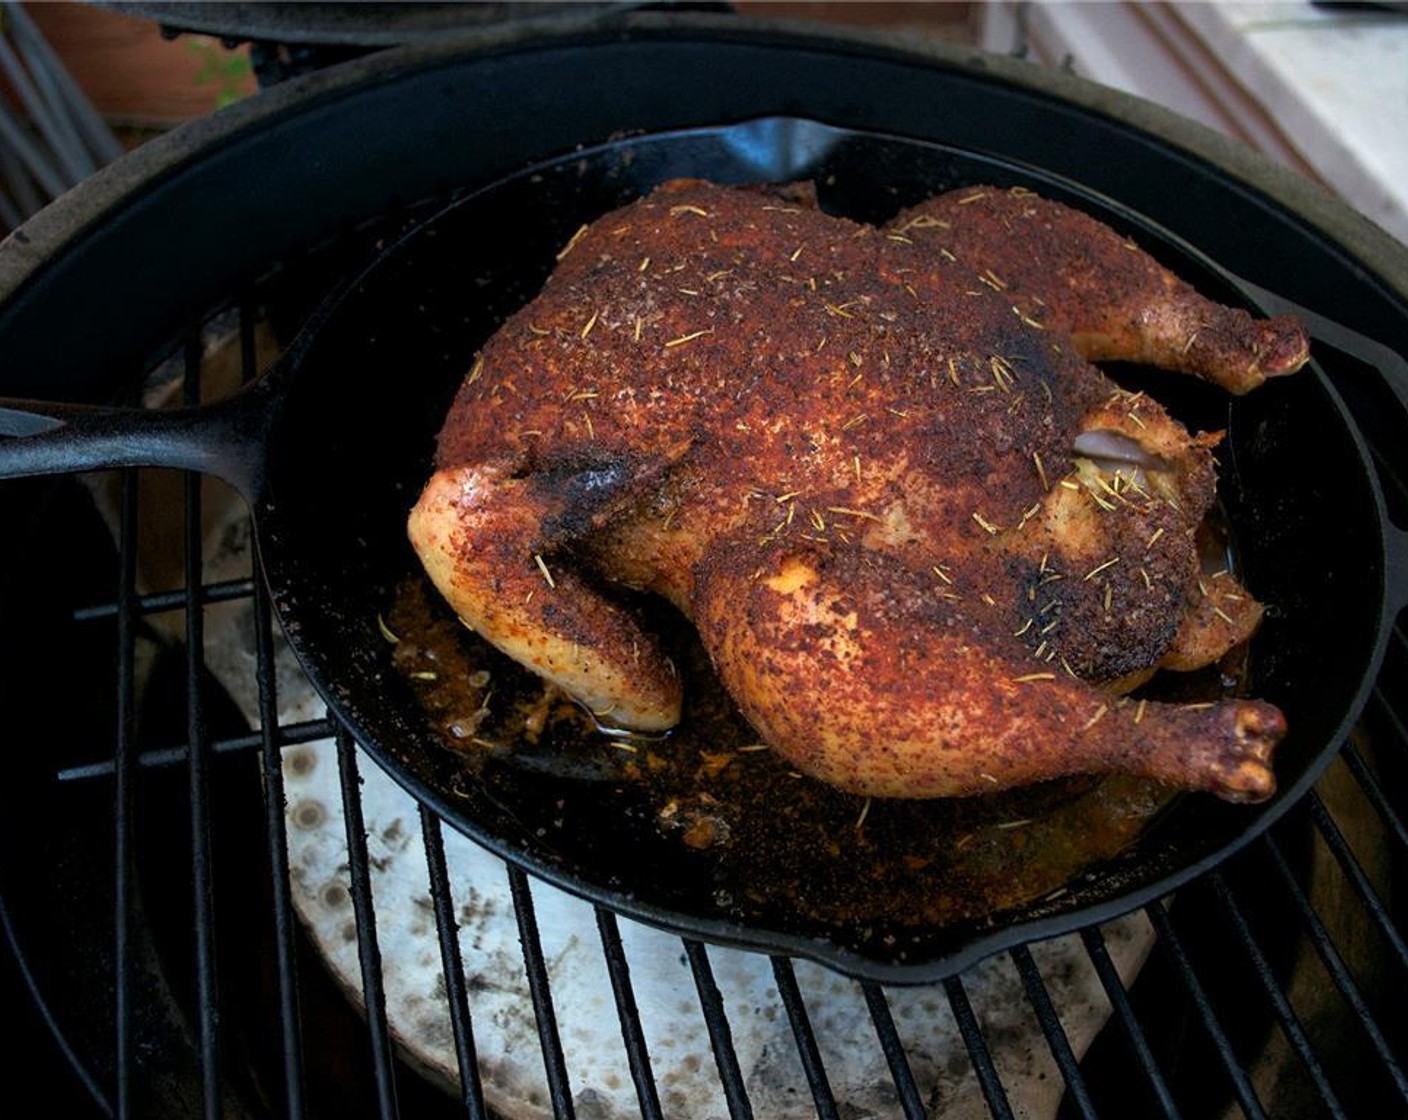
{"x":776,"y":845}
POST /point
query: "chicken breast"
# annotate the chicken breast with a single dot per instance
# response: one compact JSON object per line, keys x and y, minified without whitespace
{"x":926,"y":543}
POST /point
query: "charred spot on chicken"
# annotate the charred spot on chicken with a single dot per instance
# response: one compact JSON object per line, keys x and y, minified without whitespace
{"x":927,"y":544}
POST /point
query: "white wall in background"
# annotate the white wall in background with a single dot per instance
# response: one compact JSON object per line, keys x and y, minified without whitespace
{"x":1324,"y":91}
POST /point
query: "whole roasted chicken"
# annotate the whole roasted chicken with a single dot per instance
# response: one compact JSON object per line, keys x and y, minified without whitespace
{"x":929,"y":547}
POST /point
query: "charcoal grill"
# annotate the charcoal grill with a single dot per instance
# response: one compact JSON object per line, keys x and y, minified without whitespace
{"x":151,"y":913}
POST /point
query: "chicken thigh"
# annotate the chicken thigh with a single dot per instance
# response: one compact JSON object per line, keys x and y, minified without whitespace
{"x":928,"y":546}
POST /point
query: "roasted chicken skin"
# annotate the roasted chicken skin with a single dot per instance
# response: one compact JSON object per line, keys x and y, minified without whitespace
{"x":926,"y":543}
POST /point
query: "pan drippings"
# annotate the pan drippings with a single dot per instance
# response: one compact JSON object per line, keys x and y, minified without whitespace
{"x":773,"y":841}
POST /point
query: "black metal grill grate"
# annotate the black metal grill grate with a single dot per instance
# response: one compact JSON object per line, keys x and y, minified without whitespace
{"x":1269,"y":990}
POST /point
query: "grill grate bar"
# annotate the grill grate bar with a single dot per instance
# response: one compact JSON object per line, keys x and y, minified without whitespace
{"x":271,"y":765}
{"x":368,"y":949}
{"x":1290,"y":1022}
{"x":893,"y":1049}
{"x":540,"y":988}
{"x":1050,"y":1022}
{"x":198,"y":760}
{"x":163,"y":602}
{"x":1370,"y":784}
{"x":1344,"y":854}
{"x":456,"y":991}
{"x":637,"y":1053}
{"x":125,"y":764}
{"x":1335,"y":965}
{"x":290,"y":734}
{"x":807,"y":1051}
{"x":249,"y":353}
{"x":1099,"y":955}
{"x":720,"y":1034}
{"x":1188,"y":976}
{"x":284,"y":921}
{"x":978,"y":1052}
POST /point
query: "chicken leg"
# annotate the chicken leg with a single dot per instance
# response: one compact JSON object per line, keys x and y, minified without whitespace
{"x":916,"y":705}
{"x":1068,"y":272}
{"x":481,"y":535}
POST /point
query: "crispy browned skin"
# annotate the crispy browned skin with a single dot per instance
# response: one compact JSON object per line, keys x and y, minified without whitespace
{"x":1078,"y":276}
{"x":848,"y":454}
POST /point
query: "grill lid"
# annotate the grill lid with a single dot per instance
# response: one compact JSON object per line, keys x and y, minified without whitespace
{"x":369,"y":25}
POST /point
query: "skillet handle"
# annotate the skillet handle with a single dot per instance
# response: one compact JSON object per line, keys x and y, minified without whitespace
{"x":1393,"y":367}
{"x":224,"y":438}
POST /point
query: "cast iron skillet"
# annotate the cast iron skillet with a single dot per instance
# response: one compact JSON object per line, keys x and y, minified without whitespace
{"x":331,"y":446}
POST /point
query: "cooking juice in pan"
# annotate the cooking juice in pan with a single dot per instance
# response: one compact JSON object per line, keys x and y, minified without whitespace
{"x":772,"y":838}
